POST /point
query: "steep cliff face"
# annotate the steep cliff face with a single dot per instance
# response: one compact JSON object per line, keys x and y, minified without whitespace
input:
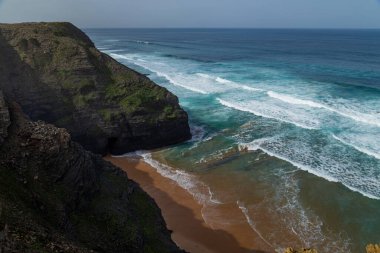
{"x":57,"y":197}
{"x":57,"y":75}
{"x":4,"y":119}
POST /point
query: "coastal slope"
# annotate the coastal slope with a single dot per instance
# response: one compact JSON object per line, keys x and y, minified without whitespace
{"x":57,"y":197}
{"x":55,"y":73}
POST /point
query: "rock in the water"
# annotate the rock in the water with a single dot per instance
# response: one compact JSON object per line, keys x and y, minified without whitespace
{"x":373,"y":248}
{"x":291,"y":250}
{"x":56,"y":74}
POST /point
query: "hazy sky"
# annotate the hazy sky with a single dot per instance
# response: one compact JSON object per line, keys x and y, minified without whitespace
{"x":197,"y":13}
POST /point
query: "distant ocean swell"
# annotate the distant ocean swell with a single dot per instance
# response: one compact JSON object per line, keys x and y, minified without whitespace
{"x":190,"y":82}
{"x":210,"y":84}
{"x":278,"y":122}
{"x":201,"y":86}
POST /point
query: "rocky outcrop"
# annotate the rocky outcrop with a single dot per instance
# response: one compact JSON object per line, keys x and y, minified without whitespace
{"x":373,"y":248}
{"x":291,"y":250}
{"x":57,"y":197}
{"x":56,"y":74}
{"x":4,"y":119}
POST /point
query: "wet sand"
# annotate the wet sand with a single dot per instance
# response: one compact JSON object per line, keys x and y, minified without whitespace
{"x":183,"y":215}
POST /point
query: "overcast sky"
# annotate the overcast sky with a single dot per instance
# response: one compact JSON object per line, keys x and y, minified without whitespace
{"x":197,"y":13}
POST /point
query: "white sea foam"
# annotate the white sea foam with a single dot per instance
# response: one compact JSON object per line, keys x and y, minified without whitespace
{"x":212,"y":198}
{"x":286,"y":211}
{"x":348,"y":113}
{"x":257,"y":145}
{"x":306,"y":228}
{"x":245,"y":87}
{"x":244,"y":108}
{"x":142,"y":42}
{"x":199,"y":83}
{"x":222,"y":80}
{"x":125,"y":57}
{"x":112,"y":40}
{"x":218,"y":155}
{"x":173,"y":79}
{"x":197,"y":133}
{"x":183,"y":179}
{"x":204,"y":75}
{"x":236,"y":85}
{"x":200,"y":191}
{"x":328,"y":168}
{"x":209,"y":138}
{"x":251,"y":223}
{"x":306,"y":225}
{"x":360,"y":149}
{"x":177,"y":83}
{"x":228,"y":82}
{"x":293,"y":100}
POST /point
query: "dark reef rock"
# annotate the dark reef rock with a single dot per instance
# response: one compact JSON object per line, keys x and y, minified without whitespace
{"x":57,"y":197}
{"x":56,"y":74}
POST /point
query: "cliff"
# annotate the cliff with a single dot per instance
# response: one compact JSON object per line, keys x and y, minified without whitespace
{"x":4,"y":119}
{"x":57,"y":197}
{"x":55,"y":73}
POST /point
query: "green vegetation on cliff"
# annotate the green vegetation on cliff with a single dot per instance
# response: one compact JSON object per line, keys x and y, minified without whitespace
{"x":54,"y":195}
{"x":56,"y":74}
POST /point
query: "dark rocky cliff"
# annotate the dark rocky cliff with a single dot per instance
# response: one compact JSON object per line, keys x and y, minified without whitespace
{"x":57,"y":75}
{"x":57,"y":197}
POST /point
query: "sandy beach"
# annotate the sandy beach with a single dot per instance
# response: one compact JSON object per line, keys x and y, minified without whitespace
{"x":183,"y":214}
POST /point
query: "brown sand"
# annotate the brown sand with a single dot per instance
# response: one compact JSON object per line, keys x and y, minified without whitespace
{"x":183,"y":215}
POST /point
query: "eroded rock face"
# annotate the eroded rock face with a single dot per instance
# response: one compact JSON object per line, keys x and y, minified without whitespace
{"x":56,"y":74}
{"x":57,"y":197}
{"x":4,"y":118}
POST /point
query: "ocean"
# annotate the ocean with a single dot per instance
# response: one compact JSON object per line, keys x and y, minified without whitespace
{"x":285,"y":123}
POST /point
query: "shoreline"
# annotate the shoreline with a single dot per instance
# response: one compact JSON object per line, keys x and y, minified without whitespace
{"x":183,"y":214}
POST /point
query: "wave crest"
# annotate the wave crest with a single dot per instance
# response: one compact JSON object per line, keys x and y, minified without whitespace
{"x":354,"y":115}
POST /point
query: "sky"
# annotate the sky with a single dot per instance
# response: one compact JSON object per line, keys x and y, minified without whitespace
{"x":197,"y":13}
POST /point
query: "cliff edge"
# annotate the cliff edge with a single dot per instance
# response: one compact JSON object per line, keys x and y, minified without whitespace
{"x":57,"y":197}
{"x":55,"y":73}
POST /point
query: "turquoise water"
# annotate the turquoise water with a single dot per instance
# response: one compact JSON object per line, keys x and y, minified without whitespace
{"x":286,"y":123}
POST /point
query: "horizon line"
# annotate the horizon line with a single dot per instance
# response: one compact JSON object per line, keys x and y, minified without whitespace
{"x":242,"y":28}
{"x":200,"y":28}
